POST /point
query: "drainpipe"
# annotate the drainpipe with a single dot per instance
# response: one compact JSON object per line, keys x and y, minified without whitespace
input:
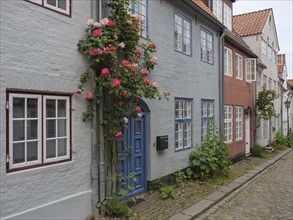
{"x":221,"y":82}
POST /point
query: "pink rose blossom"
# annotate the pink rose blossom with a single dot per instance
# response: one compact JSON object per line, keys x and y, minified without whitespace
{"x":138,"y":109}
{"x":97,"y":32}
{"x":95,"y":52}
{"x":77,"y":91}
{"x":139,"y":52}
{"x":146,"y":81}
{"x":139,"y":115}
{"x":90,"y":22}
{"x":144,"y":71}
{"x":121,"y":103}
{"x":105,"y":71}
{"x":97,"y":24}
{"x":155,"y":84}
{"x":89,"y":95}
{"x":105,"y":21}
{"x":154,"y":46}
{"x":116,"y":82}
{"x":118,"y":134}
{"x":133,"y":69}
{"x":122,"y":45}
{"x":137,"y":18}
{"x":124,"y":94}
{"x":106,"y":50}
{"x":111,"y":23}
{"x":154,"y":60}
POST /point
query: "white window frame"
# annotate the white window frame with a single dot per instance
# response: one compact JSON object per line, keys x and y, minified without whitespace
{"x":67,"y":156}
{"x":228,"y":62}
{"x":11,"y":142}
{"x":218,"y":9}
{"x":227,"y":20}
{"x":228,"y":123}
{"x":207,"y":116}
{"x":250,"y":69}
{"x":239,"y":66}
{"x":142,"y":14}
{"x":184,"y":120}
{"x":41,"y":131}
{"x":184,"y":39}
{"x":264,"y":47}
{"x":239,"y":123}
{"x":55,"y":8}
{"x":206,"y":46}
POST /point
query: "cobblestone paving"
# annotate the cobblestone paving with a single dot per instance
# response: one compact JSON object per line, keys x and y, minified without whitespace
{"x":269,"y":196}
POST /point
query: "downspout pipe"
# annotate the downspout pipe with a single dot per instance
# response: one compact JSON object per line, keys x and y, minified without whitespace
{"x":221,"y":81}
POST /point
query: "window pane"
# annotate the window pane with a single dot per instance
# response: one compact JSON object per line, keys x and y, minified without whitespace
{"x":61,"y":127}
{"x":61,"y":108}
{"x":18,"y":153}
{"x":32,"y":151}
{"x":18,"y":130}
{"x":51,"y":108}
{"x":138,"y":127}
{"x":51,"y":2}
{"x":18,"y":107}
{"x":32,"y":129}
{"x":62,"y":4}
{"x":51,"y":149}
{"x":51,"y":128}
{"x":61,"y":147}
{"x":32,"y":108}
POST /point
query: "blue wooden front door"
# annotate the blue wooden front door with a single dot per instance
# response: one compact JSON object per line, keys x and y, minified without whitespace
{"x":132,"y":155}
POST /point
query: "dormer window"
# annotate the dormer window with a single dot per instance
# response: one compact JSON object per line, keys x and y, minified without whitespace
{"x":227,"y":17}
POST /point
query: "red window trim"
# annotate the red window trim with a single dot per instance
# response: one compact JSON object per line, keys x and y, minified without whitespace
{"x":51,"y":9}
{"x":42,"y":148}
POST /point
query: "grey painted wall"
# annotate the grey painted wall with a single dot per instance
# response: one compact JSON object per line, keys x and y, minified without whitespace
{"x":183,"y":76}
{"x":39,"y":52}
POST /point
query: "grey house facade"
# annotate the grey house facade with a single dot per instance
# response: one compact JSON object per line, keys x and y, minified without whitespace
{"x":46,"y":148}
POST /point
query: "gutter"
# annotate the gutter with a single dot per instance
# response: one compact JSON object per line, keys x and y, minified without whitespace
{"x":221,"y":82}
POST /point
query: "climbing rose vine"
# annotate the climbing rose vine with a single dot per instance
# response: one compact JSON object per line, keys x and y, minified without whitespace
{"x":122,"y":62}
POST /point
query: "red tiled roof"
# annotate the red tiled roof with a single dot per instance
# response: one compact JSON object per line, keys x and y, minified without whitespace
{"x":251,"y":23}
{"x":290,"y":81}
{"x":204,"y":7}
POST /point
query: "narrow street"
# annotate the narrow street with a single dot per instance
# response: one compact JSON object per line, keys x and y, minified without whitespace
{"x":268,"y":196}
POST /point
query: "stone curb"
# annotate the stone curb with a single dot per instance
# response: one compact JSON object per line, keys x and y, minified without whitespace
{"x":203,"y":205}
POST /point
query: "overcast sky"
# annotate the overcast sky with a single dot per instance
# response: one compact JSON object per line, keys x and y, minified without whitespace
{"x":283,"y":18}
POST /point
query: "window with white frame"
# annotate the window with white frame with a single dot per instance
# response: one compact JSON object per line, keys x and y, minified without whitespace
{"x":62,"y":6}
{"x":270,"y":51}
{"x":207,"y":117}
{"x":239,"y":122}
{"x":140,"y":9}
{"x":239,"y":66}
{"x":264,"y":47}
{"x":39,"y":130}
{"x":182,"y":35}
{"x":228,"y":62}
{"x":250,"y":69}
{"x":227,"y":17}
{"x":218,"y":9}
{"x":183,"y":123}
{"x":228,"y":123}
{"x":258,"y":80}
{"x":206,"y":46}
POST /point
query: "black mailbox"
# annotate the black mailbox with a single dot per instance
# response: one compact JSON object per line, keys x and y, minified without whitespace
{"x":162,"y":142}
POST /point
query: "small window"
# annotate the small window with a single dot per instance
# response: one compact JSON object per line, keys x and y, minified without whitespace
{"x":38,"y":133}
{"x":239,"y":66}
{"x":183,"y":123}
{"x":239,"y":123}
{"x":264,"y":47}
{"x":265,"y":81}
{"x":206,"y":48}
{"x":227,"y":17}
{"x":217,"y":9}
{"x":207,"y":117}
{"x":182,"y":34}
{"x":270,"y":84}
{"x":250,"y":69}
{"x":140,"y":9}
{"x":228,"y":62}
{"x":62,"y":6}
{"x":270,"y":52}
{"x":228,"y":123}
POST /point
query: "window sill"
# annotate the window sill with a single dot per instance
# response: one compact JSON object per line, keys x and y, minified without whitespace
{"x":183,"y":149}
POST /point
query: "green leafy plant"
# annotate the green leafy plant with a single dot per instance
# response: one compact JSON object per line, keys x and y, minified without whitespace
{"x":290,"y":140}
{"x":265,"y":104}
{"x":155,"y":185}
{"x":212,"y":158}
{"x":189,"y":173}
{"x":167,"y":192}
{"x":280,"y":142}
{"x":258,"y":151}
{"x":114,"y":208}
